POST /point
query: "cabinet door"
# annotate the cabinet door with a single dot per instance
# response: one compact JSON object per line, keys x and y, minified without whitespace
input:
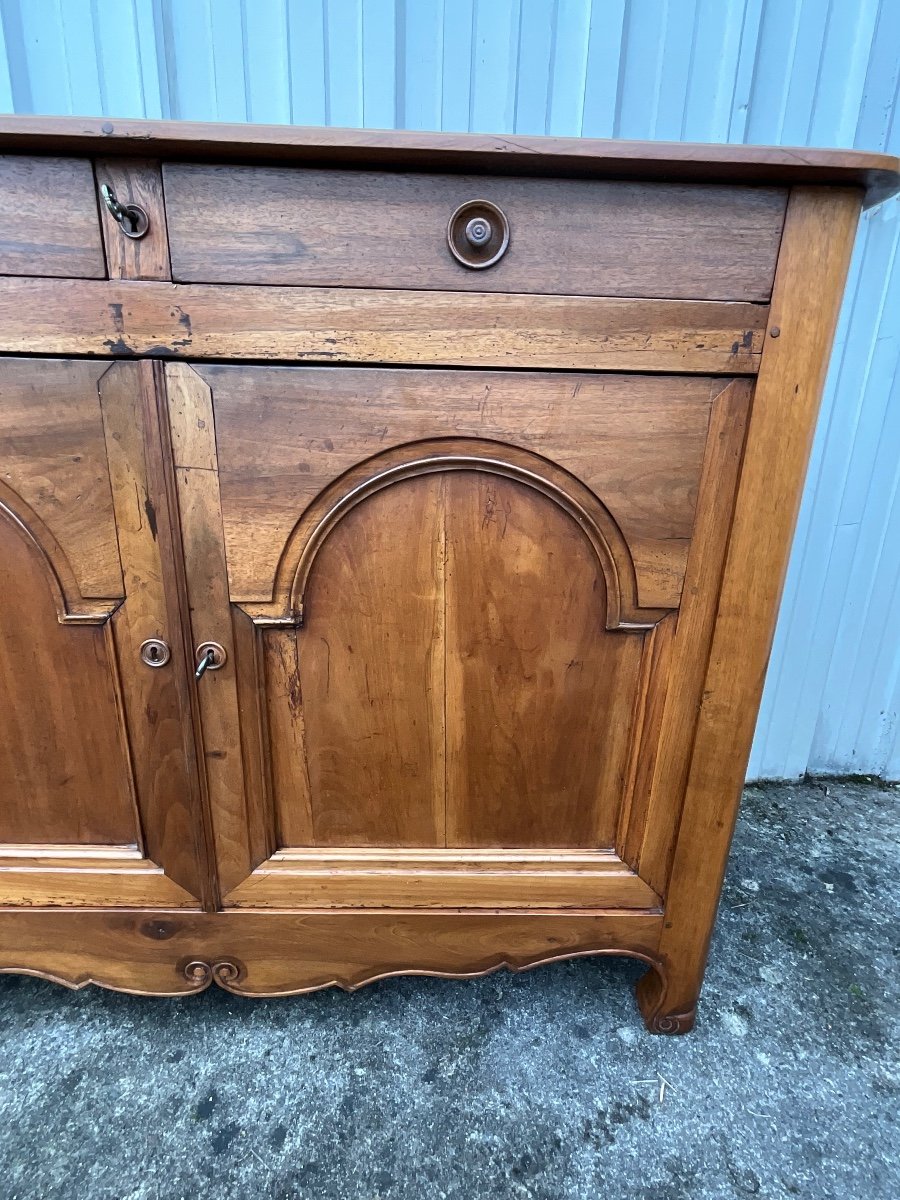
{"x":452,"y":605}
{"x":95,"y":788}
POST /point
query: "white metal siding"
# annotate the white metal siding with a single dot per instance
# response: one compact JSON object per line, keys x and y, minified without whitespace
{"x":814,"y":72}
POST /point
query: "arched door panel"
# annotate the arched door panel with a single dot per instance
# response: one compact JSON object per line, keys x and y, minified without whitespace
{"x":61,"y":746}
{"x":448,"y":602}
{"x":453,"y":681}
{"x":95,"y":743}
{"x":538,"y":692}
{"x":368,"y":682}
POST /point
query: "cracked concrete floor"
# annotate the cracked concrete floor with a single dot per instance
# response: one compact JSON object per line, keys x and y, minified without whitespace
{"x":537,"y":1085}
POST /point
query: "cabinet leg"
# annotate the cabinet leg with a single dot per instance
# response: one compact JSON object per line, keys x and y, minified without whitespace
{"x":662,"y":1011}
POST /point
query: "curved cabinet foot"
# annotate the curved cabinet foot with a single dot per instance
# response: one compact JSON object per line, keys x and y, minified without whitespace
{"x":657,"y":1006}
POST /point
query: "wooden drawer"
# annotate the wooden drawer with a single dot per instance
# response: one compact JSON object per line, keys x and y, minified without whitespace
{"x":49,"y":223}
{"x":291,"y":225}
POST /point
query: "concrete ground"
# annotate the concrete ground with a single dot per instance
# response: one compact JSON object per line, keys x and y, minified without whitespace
{"x":538,"y":1085}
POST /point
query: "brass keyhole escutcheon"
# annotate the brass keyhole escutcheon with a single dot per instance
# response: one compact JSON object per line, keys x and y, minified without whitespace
{"x":478,"y":234}
{"x":135,"y":222}
{"x":210,"y":657}
{"x":155,"y":652}
{"x":131,"y":218}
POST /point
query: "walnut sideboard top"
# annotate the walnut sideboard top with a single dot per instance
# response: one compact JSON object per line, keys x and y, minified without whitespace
{"x":392,"y":528}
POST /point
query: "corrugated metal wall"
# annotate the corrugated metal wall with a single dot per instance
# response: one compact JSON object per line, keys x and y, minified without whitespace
{"x":815,"y":72}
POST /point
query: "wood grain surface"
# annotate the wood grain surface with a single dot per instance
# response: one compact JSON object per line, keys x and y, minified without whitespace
{"x":281,"y":954}
{"x":538,"y":694}
{"x":814,"y":259}
{"x":678,"y":688}
{"x":453,"y":623}
{"x":498,"y":879}
{"x":49,"y":224}
{"x":877,"y":175}
{"x":62,"y":778}
{"x":53,"y":458}
{"x":572,"y":237}
{"x":161,"y":320}
{"x":138,"y":182}
{"x":284,"y":435}
{"x":156,"y":704}
{"x":193,"y":448}
{"x":93,"y":750}
{"x":90,"y":877}
{"x":369,"y":671}
{"x":451,"y":686}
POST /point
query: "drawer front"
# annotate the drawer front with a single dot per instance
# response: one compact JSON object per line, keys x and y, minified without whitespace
{"x":49,"y":224}
{"x":276,"y":225}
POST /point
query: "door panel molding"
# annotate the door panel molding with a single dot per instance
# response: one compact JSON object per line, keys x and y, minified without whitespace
{"x":60,"y":779}
{"x":71,"y":606}
{"x":257,"y":865}
{"x":85,"y":876}
{"x":292,"y":437}
{"x":208,"y":617}
{"x":156,"y":702}
{"x":436,"y":456}
{"x":369,"y":878}
{"x":108,"y":790}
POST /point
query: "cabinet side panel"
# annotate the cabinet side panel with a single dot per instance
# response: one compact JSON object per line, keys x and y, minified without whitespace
{"x":815,"y":253}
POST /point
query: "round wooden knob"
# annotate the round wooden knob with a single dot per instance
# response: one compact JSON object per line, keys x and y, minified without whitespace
{"x":478,"y":234}
{"x":478,"y":231}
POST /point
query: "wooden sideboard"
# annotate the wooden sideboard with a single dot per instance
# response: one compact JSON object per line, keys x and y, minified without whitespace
{"x":392,"y":528}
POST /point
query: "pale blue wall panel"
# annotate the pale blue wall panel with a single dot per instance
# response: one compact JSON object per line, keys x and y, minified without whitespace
{"x":569,"y":67}
{"x":745,"y":70}
{"x":604,"y":67}
{"x":189,"y":61}
{"x":494,"y":63}
{"x":226,"y":62}
{"x":379,"y":62}
{"x":458,"y":18}
{"x":420,"y":52}
{"x":6,"y":92}
{"x":814,"y":72}
{"x":267,"y":74}
{"x":307,"y":62}
{"x":343,"y":62}
{"x":150,"y":78}
{"x":714,"y":58}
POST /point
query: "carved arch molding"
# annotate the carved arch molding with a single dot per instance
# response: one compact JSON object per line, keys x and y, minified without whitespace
{"x":72,"y":608}
{"x":406,"y":463}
